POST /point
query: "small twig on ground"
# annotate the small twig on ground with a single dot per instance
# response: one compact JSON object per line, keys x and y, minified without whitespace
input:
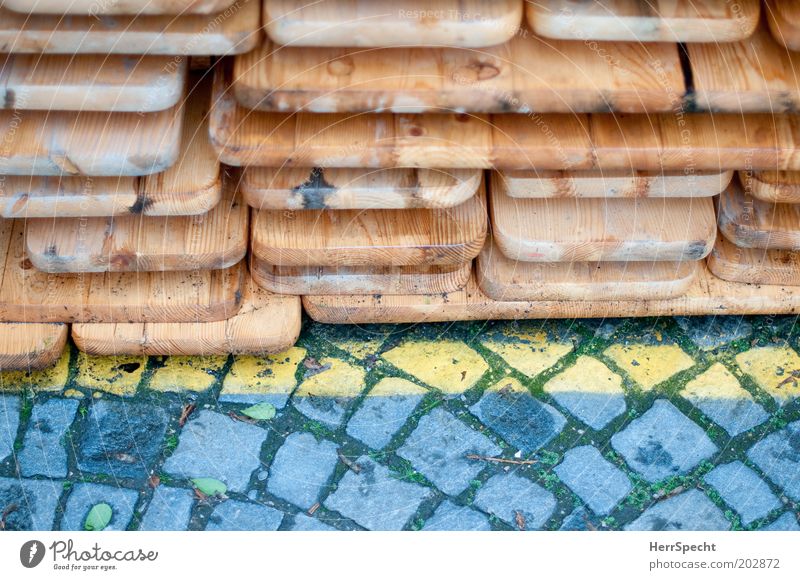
{"x":187,"y":410}
{"x":501,"y":460}
{"x":520,"y":521}
{"x":242,"y":418}
{"x":351,"y":465}
{"x":10,"y":509}
{"x":313,"y":509}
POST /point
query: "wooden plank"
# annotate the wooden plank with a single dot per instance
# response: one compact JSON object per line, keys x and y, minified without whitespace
{"x":784,"y":21}
{"x":320,"y":188}
{"x":191,"y":186}
{"x":753,"y":223}
{"x":211,"y":241}
{"x":753,"y":75}
{"x":567,"y":77}
{"x":708,"y":295}
{"x":411,"y":237}
{"x":754,"y":265}
{"x":583,"y":184}
{"x":25,"y":347}
{"x":29,"y":295}
{"x":614,"y":229}
{"x":651,"y":21}
{"x":360,"y":280}
{"x":100,"y":144}
{"x":501,"y":278}
{"x":469,"y":23}
{"x":772,"y":186}
{"x":234,"y":30}
{"x":266,"y":324}
{"x":94,"y":8}
{"x":90,"y":82}
{"x":607,"y":142}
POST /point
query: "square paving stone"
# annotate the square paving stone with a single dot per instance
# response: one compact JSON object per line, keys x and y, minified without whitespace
{"x":262,"y":379}
{"x":327,"y":395}
{"x":384,"y":411}
{"x":593,"y":479}
{"x":437,"y":449}
{"x":689,"y":511}
{"x":9,"y":423}
{"x":375,"y":499}
{"x":36,"y":501}
{"x":43,"y":451}
{"x":170,"y":509}
{"x":242,"y":516}
{"x":786,"y":523}
{"x":304,"y":523}
{"x":507,"y":495}
{"x":778,"y":456}
{"x":718,"y":394}
{"x":214,"y":445}
{"x":301,"y":469}
{"x":663,"y":442}
{"x":743,"y":490}
{"x":84,"y":496}
{"x":122,"y":438}
{"x":712,"y":332}
{"x":581,"y":520}
{"x":512,"y":412}
{"x":450,"y":517}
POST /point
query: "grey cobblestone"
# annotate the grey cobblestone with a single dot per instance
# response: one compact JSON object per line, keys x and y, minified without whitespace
{"x":301,"y":469}
{"x":691,"y":510}
{"x":449,"y":516}
{"x":304,"y":523}
{"x":43,"y":451}
{"x":596,"y":481}
{"x":778,"y":456}
{"x":786,"y":523}
{"x":36,"y":502}
{"x":84,"y":496}
{"x":9,"y":423}
{"x":169,"y":510}
{"x":743,"y":490}
{"x":507,"y":495}
{"x":381,"y":416}
{"x":233,"y":515}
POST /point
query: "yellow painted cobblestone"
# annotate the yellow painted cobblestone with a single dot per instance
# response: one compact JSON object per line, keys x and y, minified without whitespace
{"x":587,"y":375}
{"x":117,"y":375}
{"x":392,"y":386}
{"x":340,"y":380}
{"x":359,"y":349}
{"x":775,"y":369}
{"x":264,"y":375}
{"x":50,"y":380}
{"x":449,"y":366}
{"x":530,"y":354}
{"x":187,"y":373}
{"x":715,"y":383}
{"x":648,"y":365}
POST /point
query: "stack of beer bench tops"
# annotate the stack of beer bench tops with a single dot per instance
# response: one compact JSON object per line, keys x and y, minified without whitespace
{"x":607,"y":132}
{"x":117,"y":217}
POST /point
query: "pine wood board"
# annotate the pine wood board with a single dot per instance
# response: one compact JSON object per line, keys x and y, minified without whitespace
{"x":606,"y":142}
{"x":468,"y":23}
{"x":645,"y":21}
{"x":527,"y":73}
{"x":320,"y":188}
{"x":708,"y":295}
{"x":25,"y":347}
{"x":360,"y":280}
{"x":29,"y":295}
{"x":191,"y":186}
{"x":90,"y":82}
{"x":99,"y":144}
{"x":773,"y":186}
{"x":211,"y":241}
{"x":613,"y":229}
{"x":266,"y":324}
{"x":233,"y":30}
{"x":610,"y":184}
{"x":753,"y":223}
{"x":784,"y":21}
{"x":376,"y":237}
{"x":501,"y":278}
{"x":753,"y":75}
{"x":754,"y":265}
{"x":116,"y":7}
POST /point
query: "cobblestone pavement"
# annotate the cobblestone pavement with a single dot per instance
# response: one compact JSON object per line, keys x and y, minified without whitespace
{"x":578,"y":425}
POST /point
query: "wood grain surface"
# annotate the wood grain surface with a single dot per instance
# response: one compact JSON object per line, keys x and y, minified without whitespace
{"x":132,"y":7}
{"x":772,"y":186}
{"x":233,"y":30}
{"x":26,"y":347}
{"x":471,"y":23}
{"x":265,"y":324}
{"x":607,"y":142}
{"x":753,"y":223}
{"x":645,"y":21}
{"x":29,"y":295}
{"x":583,"y":230}
{"x":319,"y":188}
{"x":784,"y":21}
{"x":508,"y":280}
{"x":376,"y":237}
{"x":525,"y":74}
{"x":708,"y":295}
{"x":627,"y":184}
{"x":211,"y":241}
{"x":754,"y":265}
{"x":360,"y":280}
{"x":90,"y":82}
